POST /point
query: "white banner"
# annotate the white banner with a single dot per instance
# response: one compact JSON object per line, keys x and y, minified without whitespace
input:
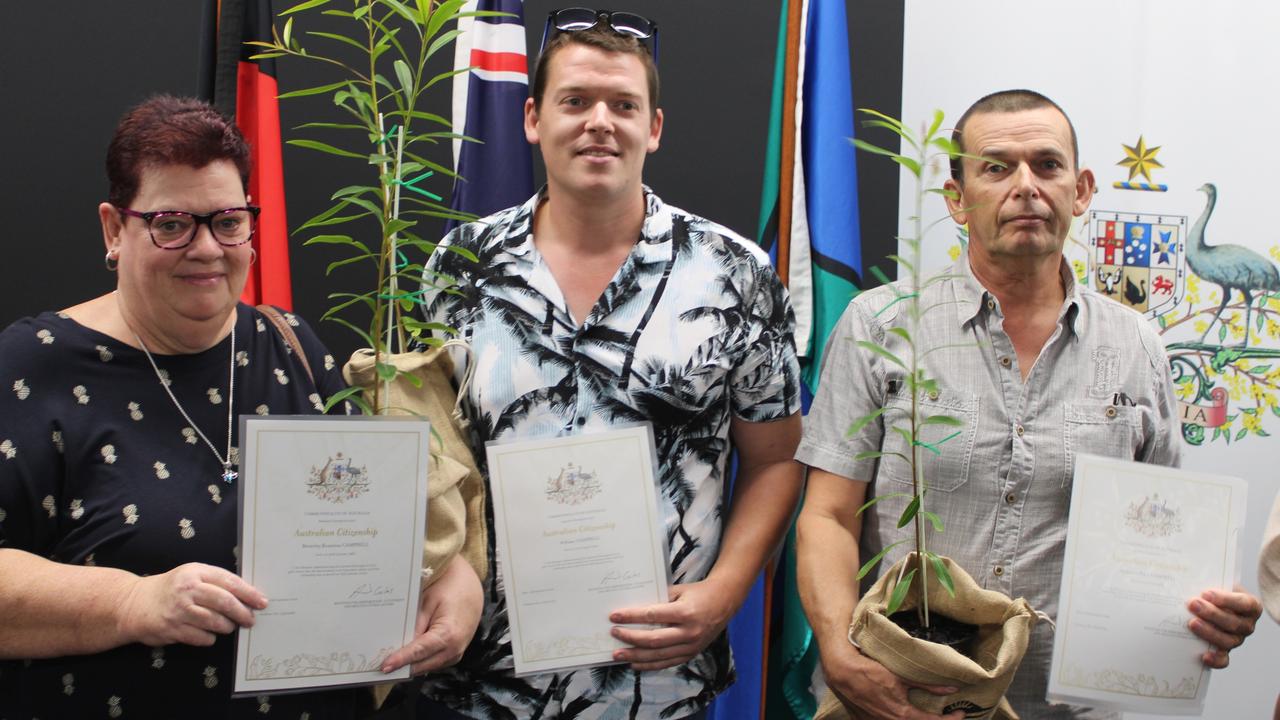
{"x":1174,"y":105}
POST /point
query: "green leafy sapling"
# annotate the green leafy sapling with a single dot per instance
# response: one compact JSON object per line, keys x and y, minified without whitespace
{"x":382,"y":66}
{"x":930,"y":149}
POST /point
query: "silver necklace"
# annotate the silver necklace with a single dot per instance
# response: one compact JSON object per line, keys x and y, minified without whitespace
{"x":228,"y":475}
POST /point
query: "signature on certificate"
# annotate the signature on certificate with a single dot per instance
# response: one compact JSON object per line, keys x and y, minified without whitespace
{"x":613,"y":577}
{"x":371,"y":590}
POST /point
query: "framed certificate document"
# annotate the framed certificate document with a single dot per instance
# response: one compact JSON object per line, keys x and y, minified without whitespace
{"x":579,"y":536}
{"x":333,"y":513}
{"x":1142,"y":540}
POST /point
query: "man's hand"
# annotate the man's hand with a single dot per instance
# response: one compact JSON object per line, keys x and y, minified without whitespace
{"x":696,"y":614}
{"x":867,"y":685}
{"x":190,"y":604}
{"x":1223,"y":619}
{"x":448,"y":614}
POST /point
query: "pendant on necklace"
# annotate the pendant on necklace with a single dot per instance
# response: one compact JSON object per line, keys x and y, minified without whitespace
{"x":229,"y":475}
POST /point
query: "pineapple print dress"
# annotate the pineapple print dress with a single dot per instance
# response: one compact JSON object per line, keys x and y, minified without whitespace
{"x":97,"y":467}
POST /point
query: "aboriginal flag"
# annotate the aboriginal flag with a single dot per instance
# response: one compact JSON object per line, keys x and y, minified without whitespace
{"x":246,"y":90}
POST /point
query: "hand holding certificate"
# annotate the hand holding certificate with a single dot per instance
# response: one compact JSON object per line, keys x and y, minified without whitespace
{"x":578,"y":536}
{"x":333,"y":516}
{"x":1142,"y":540}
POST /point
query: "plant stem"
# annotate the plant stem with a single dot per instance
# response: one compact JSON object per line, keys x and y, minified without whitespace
{"x":917,"y":475}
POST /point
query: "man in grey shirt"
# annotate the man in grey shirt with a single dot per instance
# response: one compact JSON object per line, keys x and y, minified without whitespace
{"x":1036,"y":367}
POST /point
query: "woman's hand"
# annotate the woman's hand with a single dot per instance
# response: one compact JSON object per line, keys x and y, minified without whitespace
{"x":190,"y":604}
{"x":448,"y":615}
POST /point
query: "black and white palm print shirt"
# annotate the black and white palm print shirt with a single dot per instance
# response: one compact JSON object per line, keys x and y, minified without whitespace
{"x":695,"y":328}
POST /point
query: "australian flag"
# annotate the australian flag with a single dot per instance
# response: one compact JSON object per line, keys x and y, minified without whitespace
{"x":488,"y":105}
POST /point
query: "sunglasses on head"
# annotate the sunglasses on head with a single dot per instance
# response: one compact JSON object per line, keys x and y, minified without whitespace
{"x":575,"y":19}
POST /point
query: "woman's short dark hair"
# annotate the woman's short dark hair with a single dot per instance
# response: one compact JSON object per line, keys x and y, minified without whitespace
{"x":168,"y":130}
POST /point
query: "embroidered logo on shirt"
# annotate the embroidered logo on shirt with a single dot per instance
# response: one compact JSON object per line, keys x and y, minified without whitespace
{"x":1106,"y":372}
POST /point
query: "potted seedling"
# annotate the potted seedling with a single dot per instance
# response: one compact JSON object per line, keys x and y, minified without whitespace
{"x":925,"y":618}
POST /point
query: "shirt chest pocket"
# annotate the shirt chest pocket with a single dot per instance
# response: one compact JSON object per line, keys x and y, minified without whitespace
{"x":945,"y":450}
{"x":1100,"y":429}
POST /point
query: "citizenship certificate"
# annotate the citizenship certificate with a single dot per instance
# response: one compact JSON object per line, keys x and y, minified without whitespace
{"x":333,"y":514}
{"x":1142,"y":540}
{"x":579,"y":535}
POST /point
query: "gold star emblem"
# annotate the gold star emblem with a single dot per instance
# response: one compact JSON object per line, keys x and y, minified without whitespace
{"x":1140,"y":159}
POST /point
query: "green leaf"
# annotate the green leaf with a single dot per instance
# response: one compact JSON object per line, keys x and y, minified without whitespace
{"x":861,"y":422}
{"x":947,"y":193}
{"x":447,"y":75}
{"x":386,"y":371}
{"x":933,"y":519}
{"x":900,"y":593}
{"x":877,"y":499}
{"x":420,"y":115}
{"x":933,"y":127}
{"x":337,"y":240}
{"x":329,"y":126}
{"x":266,"y":55}
{"x":879,"y":275}
{"x":892,"y":121}
{"x":341,"y":395}
{"x":909,"y":512}
{"x":445,"y":12}
{"x":355,"y":190}
{"x":351,"y":260}
{"x":945,"y":145}
{"x":943,"y":574}
{"x":368,"y":340}
{"x":442,"y":41}
{"x":339,"y":38}
{"x":902,"y":333}
{"x":864,"y":145}
{"x":947,"y":420}
{"x":1222,"y":333}
{"x":287,"y":35}
{"x":403,"y":11}
{"x":405,"y":76}
{"x":879,"y":350}
{"x":905,"y":433}
{"x":872,"y":454}
{"x":323,"y":147}
{"x":1241,"y":433}
{"x":317,"y":90}
{"x":868,"y":565}
{"x":303,"y":6}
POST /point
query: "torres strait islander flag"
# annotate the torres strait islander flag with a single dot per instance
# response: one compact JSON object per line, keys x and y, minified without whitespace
{"x":246,"y":90}
{"x":488,"y":105}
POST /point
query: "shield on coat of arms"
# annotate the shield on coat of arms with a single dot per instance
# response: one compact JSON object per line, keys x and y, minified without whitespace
{"x":1140,"y":259}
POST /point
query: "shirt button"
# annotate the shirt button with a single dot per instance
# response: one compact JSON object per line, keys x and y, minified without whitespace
{"x":998,"y":570}
{"x":582,"y":421}
{"x":1019,"y":429}
{"x":1011,"y":498}
{"x":1111,"y":412}
{"x":1005,"y":361}
{"x":991,"y":304}
{"x":934,"y":395}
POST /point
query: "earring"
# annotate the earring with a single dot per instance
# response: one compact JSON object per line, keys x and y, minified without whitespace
{"x":111,"y":261}
{"x":253,"y":256}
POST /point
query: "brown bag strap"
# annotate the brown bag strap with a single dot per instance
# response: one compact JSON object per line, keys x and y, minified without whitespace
{"x":286,"y":331}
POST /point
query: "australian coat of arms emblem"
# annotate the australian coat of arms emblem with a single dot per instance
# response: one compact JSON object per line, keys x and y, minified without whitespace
{"x":338,"y":480}
{"x":573,"y":485}
{"x":1152,"y":517}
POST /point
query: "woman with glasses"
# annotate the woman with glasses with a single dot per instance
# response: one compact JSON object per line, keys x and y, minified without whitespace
{"x":118,"y":457}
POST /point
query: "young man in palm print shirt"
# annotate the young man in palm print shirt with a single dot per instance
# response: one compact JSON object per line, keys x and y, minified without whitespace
{"x":595,"y":304}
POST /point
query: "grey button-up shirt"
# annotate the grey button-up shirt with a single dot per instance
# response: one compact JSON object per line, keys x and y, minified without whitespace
{"x":1002,"y":486}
